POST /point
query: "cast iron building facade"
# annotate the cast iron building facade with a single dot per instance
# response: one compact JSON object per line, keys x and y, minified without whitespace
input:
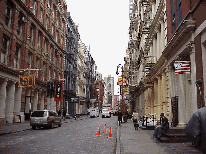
{"x":165,"y":33}
{"x":70,"y":66}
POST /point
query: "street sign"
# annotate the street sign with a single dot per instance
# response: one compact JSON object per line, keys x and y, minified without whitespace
{"x":74,"y":99}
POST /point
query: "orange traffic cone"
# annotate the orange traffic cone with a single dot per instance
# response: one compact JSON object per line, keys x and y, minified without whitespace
{"x":104,"y":130}
{"x":98,"y":131}
{"x":110,"y":133}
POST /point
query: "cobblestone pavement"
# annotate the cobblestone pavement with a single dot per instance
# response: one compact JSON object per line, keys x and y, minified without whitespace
{"x":75,"y":136}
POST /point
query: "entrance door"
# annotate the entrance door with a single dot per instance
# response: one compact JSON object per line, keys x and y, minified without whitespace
{"x":174,"y":103}
{"x":27,"y":108}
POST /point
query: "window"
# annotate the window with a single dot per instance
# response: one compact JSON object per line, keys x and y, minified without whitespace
{"x":37,"y":66}
{"x":45,"y":46}
{"x":39,"y":41}
{"x":173,"y":16}
{"x":47,"y":22}
{"x":31,"y":34}
{"x":49,"y":73}
{"x":52,"y":32}
{"x":41,"y":14}
{"x":38,"y":114}
{"x":179,"y":14}
{"x":44,"y":73}
{"x":4,"y":50}
{"x":56,"y":36}
{"x":29,"y":61}
{"x":8,"y":14}
{"x":17,"y":57}
{"x":48,"y":4}
{"x":50,"y":53}
{"x":20,"y":23}
{"x":34,"y":7}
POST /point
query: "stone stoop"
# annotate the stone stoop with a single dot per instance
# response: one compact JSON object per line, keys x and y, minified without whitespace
{"x":174,"y":134}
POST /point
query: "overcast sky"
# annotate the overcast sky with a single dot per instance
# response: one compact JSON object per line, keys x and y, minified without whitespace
{"x":103,"y":24}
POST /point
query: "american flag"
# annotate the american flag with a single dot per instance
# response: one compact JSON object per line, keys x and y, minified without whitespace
{"x":182,"y":67}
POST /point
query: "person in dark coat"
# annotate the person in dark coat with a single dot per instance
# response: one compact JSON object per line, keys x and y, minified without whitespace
{"x":120,"y":117}
{"x":64,"y":113}
{"x":59,"y":113}
{"x":159,"y":129}
{"x":196,"y":129}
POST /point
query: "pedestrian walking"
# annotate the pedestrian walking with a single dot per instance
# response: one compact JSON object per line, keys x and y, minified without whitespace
{"x":64,"y":113}
{"x":120,"y":117}
{"x":196,"y":129}
{"x":163,"y":127}
{"x":59,"y":113}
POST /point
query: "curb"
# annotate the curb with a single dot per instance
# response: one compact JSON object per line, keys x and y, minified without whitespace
{"x":118,"y":140}
{"x":5,"y":133}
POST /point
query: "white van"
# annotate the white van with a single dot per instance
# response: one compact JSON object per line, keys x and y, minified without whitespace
{"x":94,"y":113}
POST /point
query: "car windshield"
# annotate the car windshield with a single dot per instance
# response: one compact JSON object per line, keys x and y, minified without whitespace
{"x":38,"y":114}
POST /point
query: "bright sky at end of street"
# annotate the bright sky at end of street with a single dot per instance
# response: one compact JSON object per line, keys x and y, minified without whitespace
{"x":103,"y":25}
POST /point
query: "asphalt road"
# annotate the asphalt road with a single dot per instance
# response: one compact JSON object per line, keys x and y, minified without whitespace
{"x":74,"y":137}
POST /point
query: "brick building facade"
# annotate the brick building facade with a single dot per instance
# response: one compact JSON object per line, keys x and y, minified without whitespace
{"x":32,"y":36}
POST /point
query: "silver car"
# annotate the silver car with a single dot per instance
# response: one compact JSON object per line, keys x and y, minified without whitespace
{"x":44,"y":118}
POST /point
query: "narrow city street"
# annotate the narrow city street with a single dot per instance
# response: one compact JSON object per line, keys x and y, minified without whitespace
{"x":74,"y":136}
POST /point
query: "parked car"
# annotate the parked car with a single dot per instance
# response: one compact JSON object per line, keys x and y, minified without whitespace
{"x":44,"y":118}
{"x":106,"y":113}
{"x":94,"y":113}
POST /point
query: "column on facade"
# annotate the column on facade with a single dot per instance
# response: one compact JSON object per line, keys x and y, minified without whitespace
{"x":42,"y":101}
{"x":17,"y":100}
{"x":159,"y":108}
{"x":182,"y":100}
{"x":171,"y":89}
{"x":165,"y":99}
{"x":35,"y":100}
{"x":10,"y":102}
{"x":48,"y":103}
{"x":203,"y":47}
{"x":27,"y":100}
{"x":147,"y":111}
{"x":152,"y":100}
{"x":52,"y":103}
{"x":158,"y":43}
{"x":155,"y":96}
{"x":193,"y":102}
{"x":3,"y":84}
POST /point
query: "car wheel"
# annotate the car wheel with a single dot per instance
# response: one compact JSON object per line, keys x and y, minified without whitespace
{"x":34,"y":127}
{"x":52,"y":125}
{"x":59,"y":125}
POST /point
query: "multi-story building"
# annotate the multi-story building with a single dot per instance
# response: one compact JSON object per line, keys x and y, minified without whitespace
{"x":164,"y":36}
{"x":81,"y":107}
{"x":70,"y":64}
{"x":147,"y":42}
{"x":89,"y":74}
{"x":99,"y":89}
{"x":109,"y":86}
{"x":32,"y":36}
{"x":116,"y":102}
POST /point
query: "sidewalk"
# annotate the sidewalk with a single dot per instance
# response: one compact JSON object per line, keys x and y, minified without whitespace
{"x":18,"y":127}
{"x":14,"y":127}
{"x":139,"y":141}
